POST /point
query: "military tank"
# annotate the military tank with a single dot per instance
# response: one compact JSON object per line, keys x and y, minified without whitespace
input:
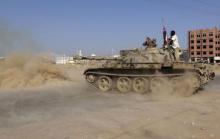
{"x":141,"y":69}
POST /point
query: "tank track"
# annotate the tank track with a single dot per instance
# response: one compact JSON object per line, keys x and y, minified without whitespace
{"x":139,"y":80}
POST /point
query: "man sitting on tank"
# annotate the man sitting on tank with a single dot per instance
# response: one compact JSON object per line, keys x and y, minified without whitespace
{"x":174,"y":43}
{"x":150,"y":43}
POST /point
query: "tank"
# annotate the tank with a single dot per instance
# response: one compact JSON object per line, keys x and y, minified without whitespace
{"x":141,"y":69}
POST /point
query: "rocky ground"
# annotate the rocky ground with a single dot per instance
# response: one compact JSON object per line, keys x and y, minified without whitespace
{"x":76,"y":110}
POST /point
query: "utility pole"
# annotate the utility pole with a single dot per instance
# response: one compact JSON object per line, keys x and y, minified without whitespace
{"x":201,"y":55}
{"x":112,"y":52}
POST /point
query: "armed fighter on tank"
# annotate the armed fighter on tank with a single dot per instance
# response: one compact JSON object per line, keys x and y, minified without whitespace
{"x":140,"y":69}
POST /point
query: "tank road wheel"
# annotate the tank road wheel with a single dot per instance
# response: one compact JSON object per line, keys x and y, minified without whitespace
{"x":124,"y":84}
{"x":155,"y":82}
{"x":159,"y":84}
{"x":204,"y":79}
{"x":90,"y":78}
{"x":104,"y":83}
{"x":176,"y":83}
{"x":140,"y":85}
{"x":196,"y":81}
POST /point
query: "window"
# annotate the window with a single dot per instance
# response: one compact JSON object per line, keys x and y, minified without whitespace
{"x":204,"y":41}
{"x":192,"y":41}
{"x":210,"y":33}
{"x":204,"y":53}
{"x":198,"y":36}
{"x":210,"y":46}
{"x":192,"y":36}
{"x":198,"y":53}
{"x":192,"y":53}
{"x":204,"y":47}
{"x":198,"y":47}
{"x":210,"y":52}
{"x":192,"y":47}
{"x":210,"y":40}
{"x":218,"y":42}
{"x":198,"y":41}
{"x":204,"y":35}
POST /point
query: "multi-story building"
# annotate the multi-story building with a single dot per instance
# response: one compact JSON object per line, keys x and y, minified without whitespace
{"x":204,"y":44}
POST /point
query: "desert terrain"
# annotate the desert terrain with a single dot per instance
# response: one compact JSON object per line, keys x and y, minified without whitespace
{"x":72,"y":109}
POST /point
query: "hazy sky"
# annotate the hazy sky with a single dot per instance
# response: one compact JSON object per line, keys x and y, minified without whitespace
{"x":98,"y":26}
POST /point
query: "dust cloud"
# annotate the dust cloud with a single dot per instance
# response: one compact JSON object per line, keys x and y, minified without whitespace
{"x":21,"y":65}
{"x":185,"y":85}
{"x":17,"y":39}
{"x":26,"y":70}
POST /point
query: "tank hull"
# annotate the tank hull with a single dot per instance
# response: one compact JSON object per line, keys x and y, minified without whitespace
{"x":142,"y":79}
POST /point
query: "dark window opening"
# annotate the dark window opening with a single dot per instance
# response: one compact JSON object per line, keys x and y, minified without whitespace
{"x":204,"y":41}
{"x":210,"y":46}
{"x":204,"y":46}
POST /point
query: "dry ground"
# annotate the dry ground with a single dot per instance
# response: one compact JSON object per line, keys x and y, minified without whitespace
{"x":75,"y":110}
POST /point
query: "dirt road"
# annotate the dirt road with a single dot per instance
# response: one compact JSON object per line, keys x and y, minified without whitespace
{"x":78,"y":111}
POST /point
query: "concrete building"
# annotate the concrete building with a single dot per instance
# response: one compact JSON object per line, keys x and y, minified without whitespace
{"x":204,"y":44}
{"x":62,"y":59}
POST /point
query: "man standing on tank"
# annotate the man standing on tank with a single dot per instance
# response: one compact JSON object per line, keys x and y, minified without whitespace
{"x":174,"y":42}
